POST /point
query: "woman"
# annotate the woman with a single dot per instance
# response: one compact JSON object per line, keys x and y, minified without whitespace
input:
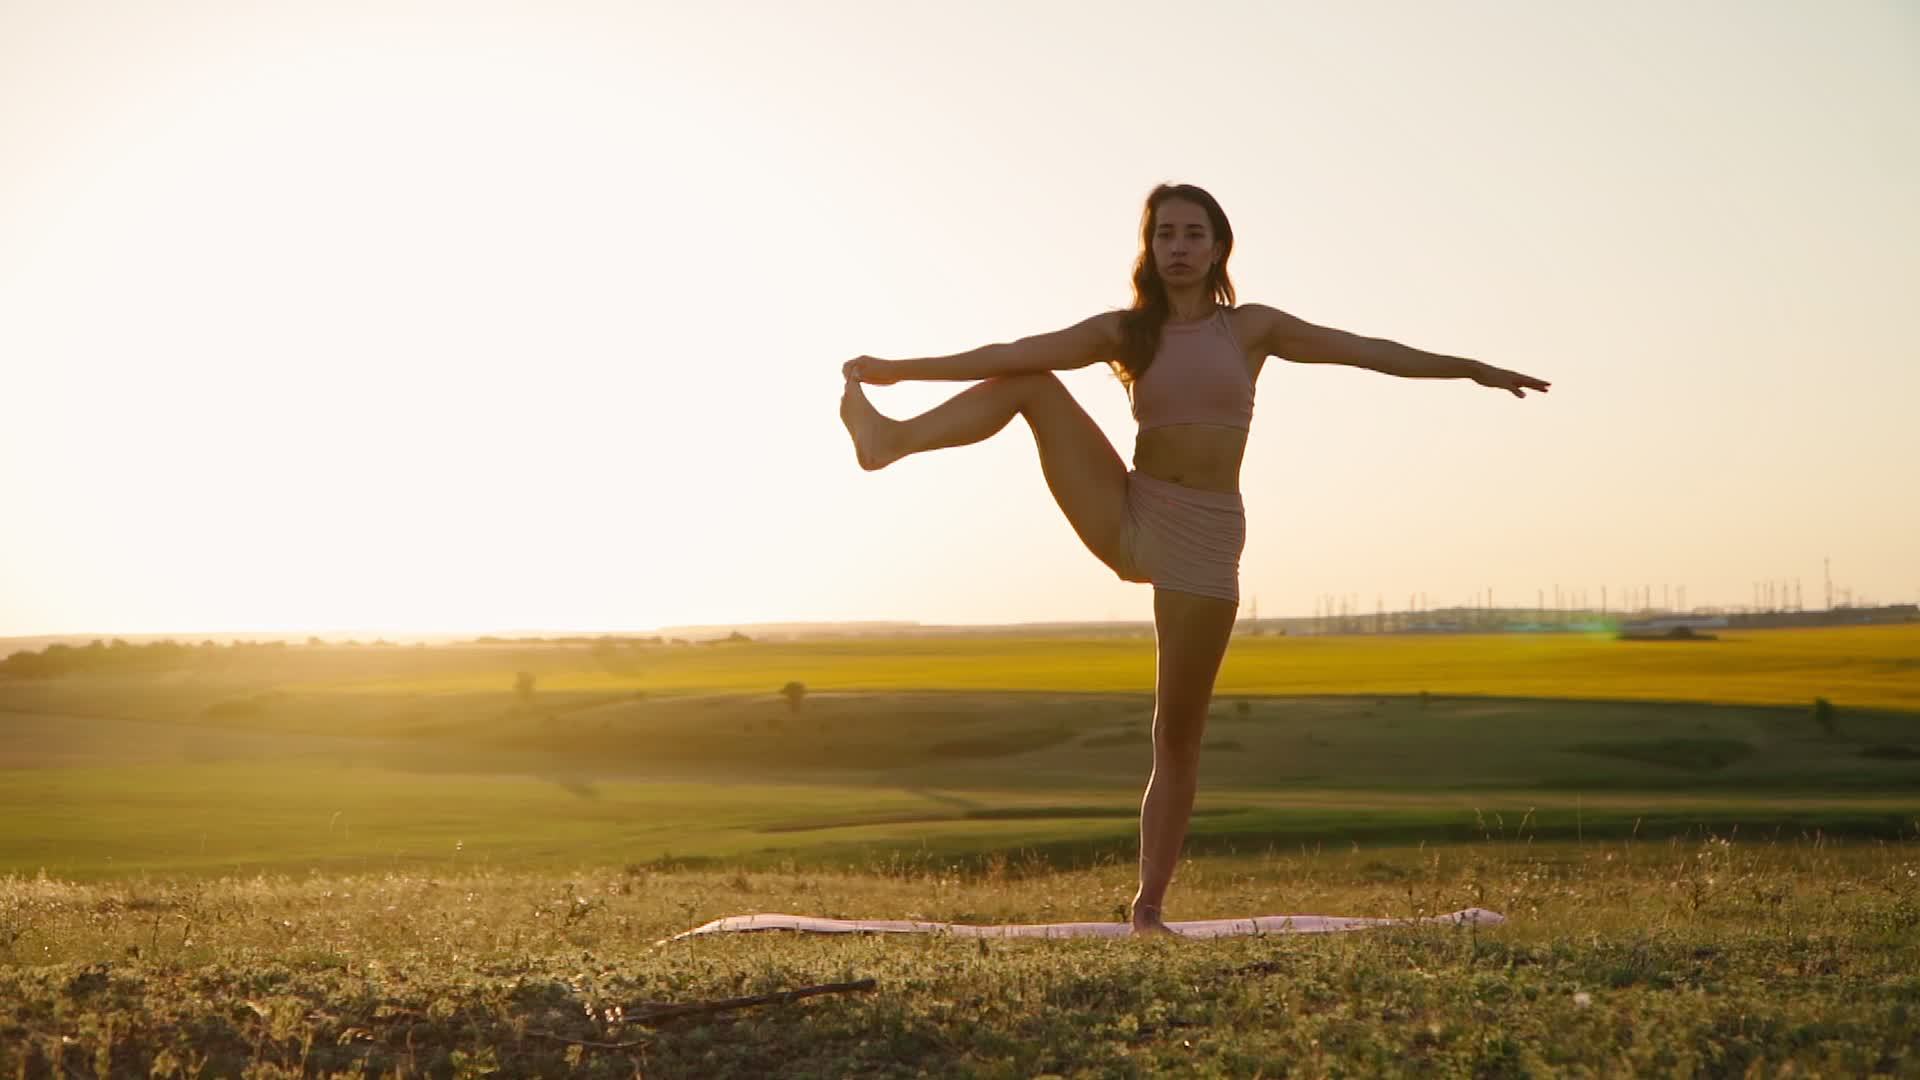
{"x":1188,"y":358}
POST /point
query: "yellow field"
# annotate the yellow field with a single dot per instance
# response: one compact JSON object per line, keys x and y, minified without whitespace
{"x":1866,"y":667}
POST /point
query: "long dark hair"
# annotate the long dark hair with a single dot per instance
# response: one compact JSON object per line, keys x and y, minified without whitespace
{"x":1141,"y":325}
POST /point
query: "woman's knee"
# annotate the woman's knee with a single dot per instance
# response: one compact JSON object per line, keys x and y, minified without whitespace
{"x":1179,"y":736}
{"x":1029,"y":384}
{"x":1030,"y":377}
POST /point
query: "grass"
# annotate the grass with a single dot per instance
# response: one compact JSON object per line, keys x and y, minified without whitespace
{"x":1713,"y":957}
{"x":381,"y":862}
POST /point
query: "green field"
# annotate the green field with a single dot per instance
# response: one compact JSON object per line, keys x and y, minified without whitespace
{"x":248,"y":758}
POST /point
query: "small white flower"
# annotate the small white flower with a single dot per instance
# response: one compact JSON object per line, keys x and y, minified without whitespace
{"x":1582,"y":999}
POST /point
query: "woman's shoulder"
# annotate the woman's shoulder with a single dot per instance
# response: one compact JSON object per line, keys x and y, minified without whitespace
{"x":1110,"y":324}
{"x":1253,"y":322}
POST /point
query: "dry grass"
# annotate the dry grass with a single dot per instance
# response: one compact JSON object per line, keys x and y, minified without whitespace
{"x":1712,"y":958}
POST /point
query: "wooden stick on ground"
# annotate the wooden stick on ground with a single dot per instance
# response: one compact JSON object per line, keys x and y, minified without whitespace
{"x":650,"y":1013}
{"x":589,"y":1042}
{"x":644,"y":1016}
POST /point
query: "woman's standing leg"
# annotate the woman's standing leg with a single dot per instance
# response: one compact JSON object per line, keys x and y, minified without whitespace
{"x":1190,"y":638}
{"x":1085,"y":474}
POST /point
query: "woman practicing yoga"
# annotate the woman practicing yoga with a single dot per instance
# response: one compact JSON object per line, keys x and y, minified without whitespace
{"x":1188,"y":358}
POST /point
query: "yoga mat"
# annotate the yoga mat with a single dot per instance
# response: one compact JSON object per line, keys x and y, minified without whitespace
{"x":1201,"y":928}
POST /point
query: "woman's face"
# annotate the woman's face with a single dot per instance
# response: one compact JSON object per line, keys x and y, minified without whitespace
{"x":1183,"y":245}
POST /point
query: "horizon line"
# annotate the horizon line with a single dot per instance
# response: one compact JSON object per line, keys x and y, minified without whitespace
{"x":800,"y":624}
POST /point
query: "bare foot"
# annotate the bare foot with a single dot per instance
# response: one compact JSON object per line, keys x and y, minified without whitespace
{"x":1147,"y":922}
{"x":874,"y":444}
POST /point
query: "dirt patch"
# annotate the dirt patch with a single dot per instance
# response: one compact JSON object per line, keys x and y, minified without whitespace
{"x":1700,"y":755}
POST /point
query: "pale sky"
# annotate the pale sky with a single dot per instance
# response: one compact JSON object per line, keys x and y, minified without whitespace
{"x":479,"y":316}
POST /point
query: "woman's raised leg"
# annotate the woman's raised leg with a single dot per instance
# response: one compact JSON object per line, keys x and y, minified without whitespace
{"x":1190,"y":638}
{"x":1085,"y":474}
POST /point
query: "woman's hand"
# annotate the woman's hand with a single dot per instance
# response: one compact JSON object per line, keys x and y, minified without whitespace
{"x":1511,"y":381}
{"x":871,"y":369}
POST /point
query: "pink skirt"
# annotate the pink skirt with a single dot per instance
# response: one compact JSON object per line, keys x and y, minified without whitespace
{"x":1183,"y":538}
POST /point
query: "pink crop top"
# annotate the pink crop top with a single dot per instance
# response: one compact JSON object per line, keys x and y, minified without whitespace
{"x":1198,"y":376}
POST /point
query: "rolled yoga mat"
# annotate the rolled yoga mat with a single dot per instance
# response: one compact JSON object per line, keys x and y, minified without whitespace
{"x":1202,"y":928}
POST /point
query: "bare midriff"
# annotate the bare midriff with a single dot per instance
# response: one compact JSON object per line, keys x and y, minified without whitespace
{"x":1203,"y":456}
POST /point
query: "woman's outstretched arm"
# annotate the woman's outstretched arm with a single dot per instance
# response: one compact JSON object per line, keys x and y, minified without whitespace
{"x":1086,"y":342}
{"x":1291,"y":338}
